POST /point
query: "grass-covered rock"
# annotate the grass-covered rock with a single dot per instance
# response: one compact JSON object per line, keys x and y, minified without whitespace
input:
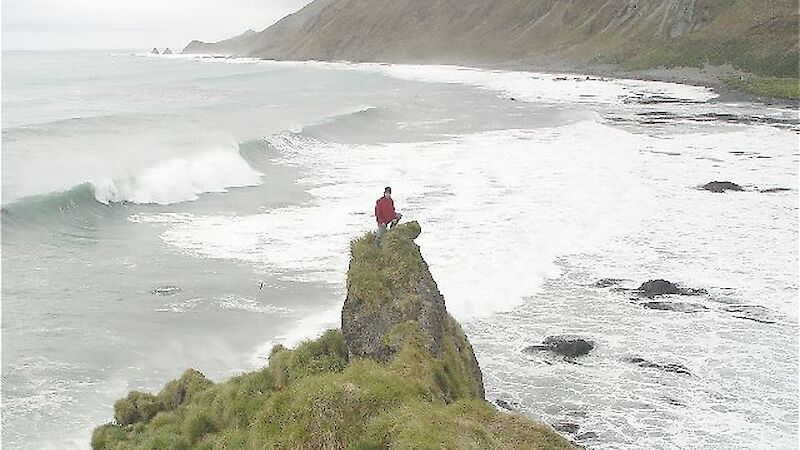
{"x":393,"y":301}
{"x":423,"y":390}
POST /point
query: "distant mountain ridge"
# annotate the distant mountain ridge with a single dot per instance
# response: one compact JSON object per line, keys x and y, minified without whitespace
{"x":759,"y":37}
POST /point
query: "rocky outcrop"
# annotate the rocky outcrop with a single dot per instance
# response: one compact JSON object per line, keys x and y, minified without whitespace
{"x":721,"y":186}
{"x":155,"y":51}
{"x":407,"y":380}
{"x":569,"y":346}
{"x":655,"y":288}
{"x":166,"y":51}
{"x":392,"y":299}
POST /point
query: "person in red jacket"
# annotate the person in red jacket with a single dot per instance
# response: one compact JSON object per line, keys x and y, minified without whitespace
{"x":385,"y":214}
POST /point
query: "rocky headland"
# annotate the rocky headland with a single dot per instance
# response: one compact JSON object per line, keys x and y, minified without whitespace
{"x":739,"y":45}
{"x":400,"y":374}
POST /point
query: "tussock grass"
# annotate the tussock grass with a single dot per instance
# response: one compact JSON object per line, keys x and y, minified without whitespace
{"x":767,"y":86}
{"x":380,"y":274}
{"x":316,"y":397}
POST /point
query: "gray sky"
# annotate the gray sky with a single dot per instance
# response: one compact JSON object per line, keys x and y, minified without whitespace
{"x":133,"y":24}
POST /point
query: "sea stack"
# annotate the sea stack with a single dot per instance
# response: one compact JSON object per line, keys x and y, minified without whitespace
{"x":392,"y":300}
{"x":166,"y":51}
{"x":155,"y":51}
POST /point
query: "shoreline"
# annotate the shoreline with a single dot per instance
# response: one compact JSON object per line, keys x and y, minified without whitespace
{"x":709,"y":77}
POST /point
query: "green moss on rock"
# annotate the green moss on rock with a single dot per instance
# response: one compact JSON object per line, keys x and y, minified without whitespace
{"x":426,"y":393}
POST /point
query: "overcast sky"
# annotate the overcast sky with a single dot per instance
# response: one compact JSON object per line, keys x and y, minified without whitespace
{"x":133,"y":24}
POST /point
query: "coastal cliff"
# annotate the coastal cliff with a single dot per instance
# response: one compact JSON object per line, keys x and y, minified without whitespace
{"x":400,"y":374}
{"x":751,"y":41}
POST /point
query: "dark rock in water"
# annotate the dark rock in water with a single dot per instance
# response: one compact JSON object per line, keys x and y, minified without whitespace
{"x":654,"y":288}
{"x":393,"y":301}
{"x":569,"y":346}
{"x":166,"y":290}
{"x":154,"y":51}
{"x":166,"y":51}
{"x":774,"y":190}
{"x":675,"y":368}
{"x":508,"y":406}
{"x":721,"y":186}
{"x":674,"y":306}
{"x":606,"y":282}
{"x":673,"y":402}
{"x":666,"y":367}
{"x":755,"y":313}
{"x":566,"y":427}
{"x":586,"y":436}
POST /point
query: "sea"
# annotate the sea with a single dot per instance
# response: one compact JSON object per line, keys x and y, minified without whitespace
{"x":167,"y":212}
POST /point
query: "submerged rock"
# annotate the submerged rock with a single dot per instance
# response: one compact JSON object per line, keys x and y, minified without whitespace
{"x":721,"y":186}
{"x":674,"y":306}
{"x":773,"y":190}
{"x":666,"y":367}
{"x":566,"y":427}
{"x":508,"y":406}
{"x":607,"y":282}
{"x":755,"y":313}
{"x":166,"y":290}
{"x":569,"y":346}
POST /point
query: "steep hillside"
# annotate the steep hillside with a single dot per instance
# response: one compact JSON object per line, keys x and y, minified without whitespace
{"x":400,"y":375}
{"x":758,"y":36}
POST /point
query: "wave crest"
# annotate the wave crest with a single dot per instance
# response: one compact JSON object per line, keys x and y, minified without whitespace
{"x":179,"y":180}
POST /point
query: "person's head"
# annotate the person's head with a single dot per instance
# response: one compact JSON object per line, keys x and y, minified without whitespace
{"x":387,"y":192}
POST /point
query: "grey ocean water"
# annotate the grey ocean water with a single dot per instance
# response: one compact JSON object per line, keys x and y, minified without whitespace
{"x":241,"y":183}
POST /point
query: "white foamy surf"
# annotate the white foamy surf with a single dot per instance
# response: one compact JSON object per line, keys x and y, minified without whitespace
{"x":522,"y":85}
{"x":179,"y":179}
{"x":549,"y":194}
{"x":519,"y":220}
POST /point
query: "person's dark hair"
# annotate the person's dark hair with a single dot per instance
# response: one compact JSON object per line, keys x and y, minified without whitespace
{"x":388,"y":190}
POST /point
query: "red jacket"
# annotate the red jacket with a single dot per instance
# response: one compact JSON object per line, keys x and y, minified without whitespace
{"x":384,"y":210}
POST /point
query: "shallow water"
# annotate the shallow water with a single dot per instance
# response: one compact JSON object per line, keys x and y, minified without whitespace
{"x":242,"y":182}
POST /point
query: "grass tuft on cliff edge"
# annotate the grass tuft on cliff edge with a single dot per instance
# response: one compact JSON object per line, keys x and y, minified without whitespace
{"x":317,"y":397}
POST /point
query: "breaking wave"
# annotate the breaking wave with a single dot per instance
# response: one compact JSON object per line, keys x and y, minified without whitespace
{"x":174,"y":180}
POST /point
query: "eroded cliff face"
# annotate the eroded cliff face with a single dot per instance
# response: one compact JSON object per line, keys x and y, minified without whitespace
{"x":529,"y":31}
{"x":392,"y":301}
